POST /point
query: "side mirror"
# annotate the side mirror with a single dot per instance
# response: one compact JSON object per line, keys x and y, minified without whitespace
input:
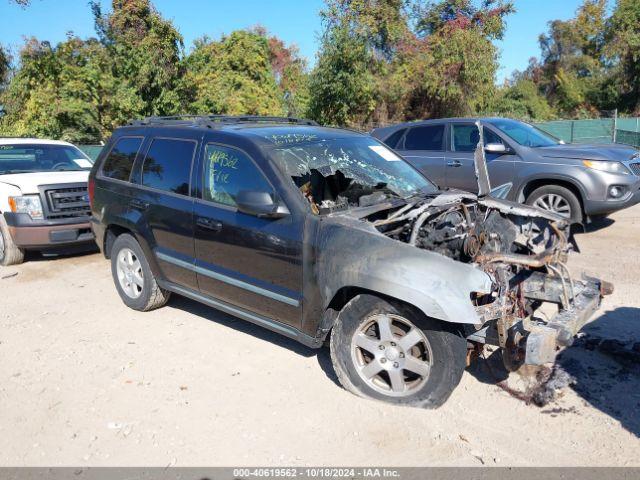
{"x":495,"y":148}
{"x":259,"y":204}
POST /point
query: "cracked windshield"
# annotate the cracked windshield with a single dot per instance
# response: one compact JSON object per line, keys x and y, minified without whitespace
{"x":336,"y":174}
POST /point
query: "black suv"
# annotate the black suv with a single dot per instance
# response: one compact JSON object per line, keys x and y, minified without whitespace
{"x":316,"y":232}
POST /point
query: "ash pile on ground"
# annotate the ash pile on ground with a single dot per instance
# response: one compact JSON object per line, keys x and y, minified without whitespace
{"x":592,"y":366}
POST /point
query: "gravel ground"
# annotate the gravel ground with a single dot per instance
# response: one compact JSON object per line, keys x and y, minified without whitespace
{"x":86,"y":381}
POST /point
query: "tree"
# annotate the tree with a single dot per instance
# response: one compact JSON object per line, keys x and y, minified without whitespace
{"x":521,"y":100}
{"x":231,"y":76}
{"x":623,"y":49}
{"x":66,"y":92}
{"x":5,"y":63}
{"x":414,"y":59}
{"x":146,"y":52}
{"x":290,"y":71}
{"x":342,"y":86}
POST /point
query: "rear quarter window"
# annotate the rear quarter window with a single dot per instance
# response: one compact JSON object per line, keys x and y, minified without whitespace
{"x":119,"y":163}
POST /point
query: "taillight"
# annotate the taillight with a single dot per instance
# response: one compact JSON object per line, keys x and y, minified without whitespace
{"x":91,"y":190}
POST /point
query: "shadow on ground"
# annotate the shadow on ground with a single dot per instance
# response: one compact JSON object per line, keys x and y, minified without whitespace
{"x":209,"y":313}
{"x":597,"y":223}
{"x":46,"y":256}
{"x":608,"y":380}
{"x":604,"y":368}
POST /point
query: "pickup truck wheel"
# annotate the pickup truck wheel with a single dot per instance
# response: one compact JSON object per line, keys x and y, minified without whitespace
{"x":395,"y":354}
{"x":10,"y":254}
{"x":557,"y":199}
{"x":133,"y":277}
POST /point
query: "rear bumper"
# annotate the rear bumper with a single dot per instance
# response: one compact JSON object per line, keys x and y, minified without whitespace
{"x":44,"y":234}
{"x":543,"y":340}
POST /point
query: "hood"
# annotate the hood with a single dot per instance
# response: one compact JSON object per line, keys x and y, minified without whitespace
{"x":29,"y":182}
{"x":613,"y":152}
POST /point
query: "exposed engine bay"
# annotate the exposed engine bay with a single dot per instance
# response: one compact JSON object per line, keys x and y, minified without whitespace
{"x":524,"y":250}
{"x":535,"y":304}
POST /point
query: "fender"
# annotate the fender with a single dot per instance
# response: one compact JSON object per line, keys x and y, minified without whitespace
{"x":362,"y":257}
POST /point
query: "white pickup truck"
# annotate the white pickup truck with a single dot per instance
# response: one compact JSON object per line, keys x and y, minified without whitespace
{"x":44,"y":202}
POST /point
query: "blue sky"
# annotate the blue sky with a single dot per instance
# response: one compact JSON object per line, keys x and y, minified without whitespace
{"x":295,"y":21}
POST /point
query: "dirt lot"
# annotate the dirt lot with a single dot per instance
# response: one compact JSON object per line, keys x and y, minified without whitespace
{"x":86,"y":381}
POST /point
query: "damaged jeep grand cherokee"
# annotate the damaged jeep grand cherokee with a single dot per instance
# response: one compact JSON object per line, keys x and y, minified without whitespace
{"x":327,"y":235}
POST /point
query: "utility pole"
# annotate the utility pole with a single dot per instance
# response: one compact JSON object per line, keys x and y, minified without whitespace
{"x":615,"y":124}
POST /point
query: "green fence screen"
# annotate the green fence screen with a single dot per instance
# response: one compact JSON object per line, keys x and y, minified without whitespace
{"x":595,"y":131}
{"x":91,"y":150}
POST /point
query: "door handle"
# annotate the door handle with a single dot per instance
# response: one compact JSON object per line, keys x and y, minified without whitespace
{"x":209,"y":224}
{"x":139,"y":204}
{"x":454,"y":163}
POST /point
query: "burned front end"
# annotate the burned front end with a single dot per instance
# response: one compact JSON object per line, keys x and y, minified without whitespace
{"x":536,"y":305}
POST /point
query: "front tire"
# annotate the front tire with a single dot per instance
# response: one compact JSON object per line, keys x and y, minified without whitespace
{"x":10,"y":254}
{"x":557,"y":199}
{"x":393,"y":353}
{"x":134,"y":280}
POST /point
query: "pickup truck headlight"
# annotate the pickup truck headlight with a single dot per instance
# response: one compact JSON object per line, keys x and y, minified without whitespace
{"x":611,"y":167}
{"x":30,"y":204}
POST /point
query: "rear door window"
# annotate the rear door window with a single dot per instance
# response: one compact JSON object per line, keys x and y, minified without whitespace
{"x":119,"y":163}
{"x":426,"y":137}
{"x":167,"y":165}
{"x":228,"y":171}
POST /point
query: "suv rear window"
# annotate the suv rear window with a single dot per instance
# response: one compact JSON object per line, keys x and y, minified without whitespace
{"x":167,"y":165}
{"x":427,"y":137}
{"x":119,"y":163}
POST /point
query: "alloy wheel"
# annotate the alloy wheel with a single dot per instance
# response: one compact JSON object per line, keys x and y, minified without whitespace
{"x":555,"y":203}
{"x":391,"y":355}
{"x":130,"y":273}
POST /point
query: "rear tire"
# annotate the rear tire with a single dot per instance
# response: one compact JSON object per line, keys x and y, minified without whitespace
{"x":393,"y":353}
{"x":557,"y":199}
{"x":134,"y":280}
{"x":10,"y":254}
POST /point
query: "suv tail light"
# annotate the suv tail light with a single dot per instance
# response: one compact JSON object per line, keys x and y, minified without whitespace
{"x":91,"y":189}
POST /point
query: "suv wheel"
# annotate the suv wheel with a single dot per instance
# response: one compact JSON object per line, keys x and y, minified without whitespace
{"x":134,"y":280}
{"x":10,"y":254}
{"x":391,"y":353}
{"x":557,"y":199}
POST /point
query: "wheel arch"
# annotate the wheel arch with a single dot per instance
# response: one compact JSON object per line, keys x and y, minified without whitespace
{"x":535,"y":183}
{"x":347,"y":293}
{"x":114,"y":230}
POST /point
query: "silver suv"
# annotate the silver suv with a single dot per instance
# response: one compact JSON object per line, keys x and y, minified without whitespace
{"x":525,"y":164}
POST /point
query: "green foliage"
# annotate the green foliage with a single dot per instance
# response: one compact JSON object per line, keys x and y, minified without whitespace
{"x":342,"y":86}
{"x":521,"y":100}
{"x":389,"y":60}
{"x":232,"y":76}
{"x":623,"y":35}
{"x":65,"y":92}
{"x":5,"y":63}
{"x":591,"y":62}
{"x":145,"y":50}
{"x":80,"y":90}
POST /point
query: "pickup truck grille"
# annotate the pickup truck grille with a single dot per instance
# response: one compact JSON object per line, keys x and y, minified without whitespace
{"x":635,"y":168}
{"x":67,"y":202}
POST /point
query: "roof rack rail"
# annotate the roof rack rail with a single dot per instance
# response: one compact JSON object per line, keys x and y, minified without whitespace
{"x":214,"y":120}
